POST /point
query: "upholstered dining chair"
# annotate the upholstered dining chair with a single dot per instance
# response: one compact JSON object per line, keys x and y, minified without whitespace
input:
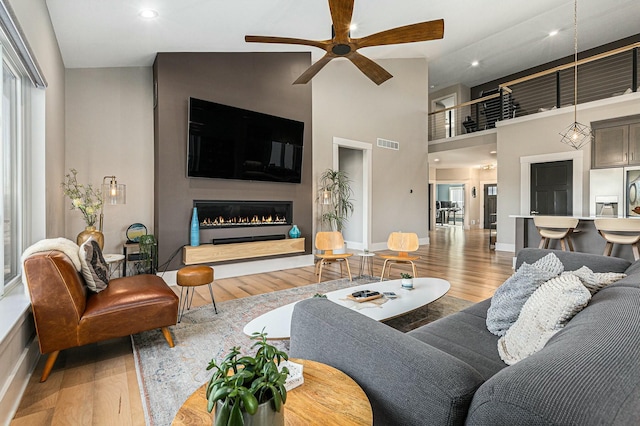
{"x":403,"y":243}
{"x":328,"y":242}
{"x":555,"y":228}
{"x":619,"y":231}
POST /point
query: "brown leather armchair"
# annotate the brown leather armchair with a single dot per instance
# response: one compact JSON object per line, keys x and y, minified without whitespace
{"x":67,"y":314}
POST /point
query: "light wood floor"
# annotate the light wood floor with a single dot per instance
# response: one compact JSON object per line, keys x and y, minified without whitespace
{"x":97,"y":385}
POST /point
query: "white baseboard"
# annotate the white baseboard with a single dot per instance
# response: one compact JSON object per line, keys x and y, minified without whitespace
{"x":23,"y":367}
{"x":252,"y":267}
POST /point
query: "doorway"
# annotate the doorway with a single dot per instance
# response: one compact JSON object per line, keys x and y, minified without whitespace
{"x":450,"y":204}
{"x":490,"y":204}
{"x":552,"y":188}
{"x":354,"y":158}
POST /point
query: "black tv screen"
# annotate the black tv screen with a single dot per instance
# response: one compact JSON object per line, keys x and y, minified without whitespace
{"x":233,"y":143}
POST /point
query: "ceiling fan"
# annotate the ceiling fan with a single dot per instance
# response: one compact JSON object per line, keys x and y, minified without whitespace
{"x":343,"y":46}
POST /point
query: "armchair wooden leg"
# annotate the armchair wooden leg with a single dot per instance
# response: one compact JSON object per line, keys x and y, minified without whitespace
{"x":384,"y":265}
{"x":51,"y":359}
{"x":349,"y":269}
{"x":320,"y":270}
{"x":413,"y":266}
{"x":167,"y":336}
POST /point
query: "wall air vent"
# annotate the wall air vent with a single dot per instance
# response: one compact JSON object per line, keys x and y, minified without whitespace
{"x":385,"y":143}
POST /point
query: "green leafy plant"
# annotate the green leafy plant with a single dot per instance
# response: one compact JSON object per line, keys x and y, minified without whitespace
{"x":147,"y":243}
{"x":241,"y":383}
{"x":405,"y":276}
{"x":337,"y":183}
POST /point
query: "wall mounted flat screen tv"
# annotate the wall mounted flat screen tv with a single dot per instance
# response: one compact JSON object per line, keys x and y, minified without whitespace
{"x":233,"y":143}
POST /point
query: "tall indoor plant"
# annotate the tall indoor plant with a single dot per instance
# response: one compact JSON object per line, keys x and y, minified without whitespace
{"x":336,"y":194}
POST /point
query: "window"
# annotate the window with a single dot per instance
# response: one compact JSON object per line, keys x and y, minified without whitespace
{"x":10,"y":172}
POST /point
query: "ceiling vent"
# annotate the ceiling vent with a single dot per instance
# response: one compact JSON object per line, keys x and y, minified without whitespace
{"x":385,"y":143}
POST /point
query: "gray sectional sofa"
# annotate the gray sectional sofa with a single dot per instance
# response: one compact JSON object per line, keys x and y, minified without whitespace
{"x":449,"y":372}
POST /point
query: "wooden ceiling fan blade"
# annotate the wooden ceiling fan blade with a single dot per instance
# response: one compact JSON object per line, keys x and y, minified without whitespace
{"x":375,"y":72}
{"x":286,"y":40}
{"x":423,"y":31}
{"x":341,"y":13}
{"x":313,"y":69}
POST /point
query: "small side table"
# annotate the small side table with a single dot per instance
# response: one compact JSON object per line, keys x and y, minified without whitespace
{"x":114,"y":261}
{"x":366,"y":259}
{"x":327,"y":397}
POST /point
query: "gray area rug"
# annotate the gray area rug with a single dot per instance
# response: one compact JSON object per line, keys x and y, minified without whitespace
{"x":167,"y":376}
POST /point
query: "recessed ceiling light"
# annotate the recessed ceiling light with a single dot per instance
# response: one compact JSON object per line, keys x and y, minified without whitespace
{"x":493,"y":152}
{"x":353,"y":27}
{"x":148,"y":14}
{"x":436,"y":159}
{"x":552,"y":33}
{"x":475,"y":63}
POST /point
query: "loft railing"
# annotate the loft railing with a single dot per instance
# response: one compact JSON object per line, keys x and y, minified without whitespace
{"x":600,"y":76}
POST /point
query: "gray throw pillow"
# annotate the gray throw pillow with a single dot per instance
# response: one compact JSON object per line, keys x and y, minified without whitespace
{"x":546,"y":312}
{"x":509,"y":298}
{"x":95,"y":269}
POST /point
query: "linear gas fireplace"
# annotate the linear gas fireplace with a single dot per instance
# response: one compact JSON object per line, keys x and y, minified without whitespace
{"x":231,"y":214}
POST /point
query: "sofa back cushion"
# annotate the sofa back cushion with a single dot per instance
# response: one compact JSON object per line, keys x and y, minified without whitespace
{"x":574,"y":260}
{"x":587,"y":374}
{"x":58,"y":298}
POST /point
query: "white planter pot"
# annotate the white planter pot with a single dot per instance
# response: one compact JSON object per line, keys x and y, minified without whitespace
{"x":407,"y":283}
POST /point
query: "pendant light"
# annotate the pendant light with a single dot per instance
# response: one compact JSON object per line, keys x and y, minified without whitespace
{"x":576,"y":135}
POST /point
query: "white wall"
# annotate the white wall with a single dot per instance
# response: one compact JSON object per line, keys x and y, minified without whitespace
{"x":348,"y":105}
{"x":539,"y":134}
{"x":109,"y":130}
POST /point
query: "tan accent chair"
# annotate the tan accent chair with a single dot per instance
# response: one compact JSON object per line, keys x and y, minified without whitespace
{"x":555,"y":228}
{"x":403,"y":243}
{"x":67,"y":314}
{"x":619,"y":231}
{"x":328,"y":242}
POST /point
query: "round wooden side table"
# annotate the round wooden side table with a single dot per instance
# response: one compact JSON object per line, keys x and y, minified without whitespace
{"x":327,"y":396}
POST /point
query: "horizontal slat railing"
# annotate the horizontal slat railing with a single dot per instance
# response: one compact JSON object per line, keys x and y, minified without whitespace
{"x":600,"y":76}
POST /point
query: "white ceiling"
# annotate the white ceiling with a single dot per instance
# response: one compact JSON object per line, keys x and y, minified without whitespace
{"x":505,"y":36}
{"x":475,"y":157}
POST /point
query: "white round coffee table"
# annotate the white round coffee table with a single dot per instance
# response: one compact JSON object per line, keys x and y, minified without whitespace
{"x":277,"y":323}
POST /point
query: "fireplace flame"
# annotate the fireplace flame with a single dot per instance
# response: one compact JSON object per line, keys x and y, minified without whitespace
{"x":255,"y":220}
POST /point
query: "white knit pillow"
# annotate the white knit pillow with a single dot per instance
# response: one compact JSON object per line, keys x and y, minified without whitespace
{"x":595,"y":281}
{"x":546,"y":312}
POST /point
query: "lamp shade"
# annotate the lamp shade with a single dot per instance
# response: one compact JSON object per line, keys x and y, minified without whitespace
{"x":113,"y":192}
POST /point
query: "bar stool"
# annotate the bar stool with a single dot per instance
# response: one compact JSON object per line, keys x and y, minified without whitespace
{"x":555,"y":228}
{"x":619,"y":231}
{"x":190,"y":277}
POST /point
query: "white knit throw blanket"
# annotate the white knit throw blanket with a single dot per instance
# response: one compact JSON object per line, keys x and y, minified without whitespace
{"x":64,"y":245}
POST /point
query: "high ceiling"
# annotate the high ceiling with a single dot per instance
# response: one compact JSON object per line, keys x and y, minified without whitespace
{"x":505,"y":36}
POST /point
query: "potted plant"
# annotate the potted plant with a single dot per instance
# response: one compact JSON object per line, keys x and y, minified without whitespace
{"x":147,"y":245}
{"x":247,"y":389}
{"x":407,"y":280}
{"x":336,"y":194}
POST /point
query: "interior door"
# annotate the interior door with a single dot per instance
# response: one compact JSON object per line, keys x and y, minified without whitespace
{"x":490,"y":204}
{"x":552,"y":188}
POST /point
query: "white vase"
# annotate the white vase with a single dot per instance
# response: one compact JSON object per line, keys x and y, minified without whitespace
{"x":407,"y":282}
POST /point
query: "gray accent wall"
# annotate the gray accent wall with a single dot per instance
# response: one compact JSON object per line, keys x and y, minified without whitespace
{"x":255,"y":81}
